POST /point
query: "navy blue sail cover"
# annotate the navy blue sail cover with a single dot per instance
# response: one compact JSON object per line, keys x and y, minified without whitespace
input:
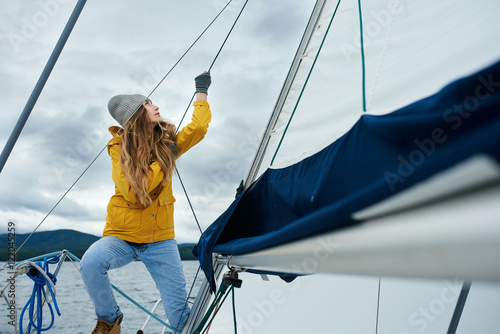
{"x":377,"y":158}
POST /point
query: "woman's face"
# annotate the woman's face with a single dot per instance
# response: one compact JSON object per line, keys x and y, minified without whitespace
{"x":153,"y":112}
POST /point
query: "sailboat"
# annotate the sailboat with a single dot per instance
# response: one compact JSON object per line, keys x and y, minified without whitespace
{"x":372,"y":201}
{"x":372,"y":179}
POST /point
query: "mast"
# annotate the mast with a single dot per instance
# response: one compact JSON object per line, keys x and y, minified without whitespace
{"x":23,"y":118}
{"x":256,"y":162}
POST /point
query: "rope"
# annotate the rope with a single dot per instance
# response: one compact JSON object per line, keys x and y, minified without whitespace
{"x":130,"y":299}
{"x":22,"y":268}
{"x":152,"y":314}
{"x":41,"y":276}
{"x":178,"y":61}
{"x":230,"y":281}
{"x":209,"y":317}
{"x":53,"y":279}
{"x":229,"y":33}
{"x":99,"y":154}
{"x":216,"y":56}
{"x":305,"y":84}
{"x":189,"y":105}
{"x":218,"y":308}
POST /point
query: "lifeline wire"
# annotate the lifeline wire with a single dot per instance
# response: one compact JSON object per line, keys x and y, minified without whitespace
{"x":213,"y":62}
{"x":23,"y":264}
{"x":99,"y":154}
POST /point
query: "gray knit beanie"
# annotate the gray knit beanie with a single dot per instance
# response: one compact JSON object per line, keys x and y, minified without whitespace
{"x":123,"y":107}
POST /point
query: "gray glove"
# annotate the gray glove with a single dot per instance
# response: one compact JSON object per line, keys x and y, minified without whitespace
{"x":202,"y":82}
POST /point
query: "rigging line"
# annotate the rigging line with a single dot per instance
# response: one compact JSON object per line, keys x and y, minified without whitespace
{"x":184,"y":115}
{"x":179,"y":60}
{"x":215,"y":59}
{"x":378,"y":305}
{"x":73,"y":258}
{"x":189,"y":105}
{"x":142,"y":308}
{"x":217,"y":310}
{"x":305,"y":83}
{"x":197,"y":39}
{"x":228,"y":34}
{"x":234,"y":315}
{"x":189,"y":295}
{"x":99,"y":154}
{"x":62,"y":197}
{"x":189,"y":201}
{"x":362,"y":55}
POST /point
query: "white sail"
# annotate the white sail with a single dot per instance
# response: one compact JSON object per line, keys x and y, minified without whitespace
{"x":405,"y":51}
{"x":411,"y":50}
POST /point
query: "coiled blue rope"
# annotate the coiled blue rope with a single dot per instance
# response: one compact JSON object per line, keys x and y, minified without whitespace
{"x":40,"y":274}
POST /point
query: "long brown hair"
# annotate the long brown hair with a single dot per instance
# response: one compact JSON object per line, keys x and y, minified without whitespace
{"x":140,"y":147}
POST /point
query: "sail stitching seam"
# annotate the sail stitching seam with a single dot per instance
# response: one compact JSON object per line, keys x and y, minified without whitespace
{"x":383,"y":55}
{"x":305,"y":83}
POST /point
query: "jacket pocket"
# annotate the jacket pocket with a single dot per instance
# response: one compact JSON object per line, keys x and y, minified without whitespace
{"x":165,"y":215}
{"x":124,"y":216}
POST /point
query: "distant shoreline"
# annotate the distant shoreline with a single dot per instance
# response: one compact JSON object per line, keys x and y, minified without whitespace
{"x":46,"y":242}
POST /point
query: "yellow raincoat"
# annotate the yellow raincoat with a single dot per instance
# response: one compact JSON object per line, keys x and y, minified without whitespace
{"x":129,"y":220}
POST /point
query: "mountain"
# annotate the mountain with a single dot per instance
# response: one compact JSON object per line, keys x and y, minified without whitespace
{"x":186,"y":252}
{"x":52,"y":241}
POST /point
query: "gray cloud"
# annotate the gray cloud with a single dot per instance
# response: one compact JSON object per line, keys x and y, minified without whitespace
{"x":128,"y":47}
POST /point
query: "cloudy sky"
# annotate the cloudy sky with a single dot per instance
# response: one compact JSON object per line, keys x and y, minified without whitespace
{"x":127,"y":47}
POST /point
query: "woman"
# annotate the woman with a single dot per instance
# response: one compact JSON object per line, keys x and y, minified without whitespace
{"x":139,"y":223}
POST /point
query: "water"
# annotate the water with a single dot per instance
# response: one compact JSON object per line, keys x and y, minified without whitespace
{"x":318,"y":303}
{"x":77,"y":311}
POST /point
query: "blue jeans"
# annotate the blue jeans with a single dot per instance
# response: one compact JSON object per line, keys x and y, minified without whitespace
{"x":162,"y":261}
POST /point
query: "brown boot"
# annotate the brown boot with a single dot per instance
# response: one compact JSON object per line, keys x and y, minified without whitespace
{"x":104,"y":327}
